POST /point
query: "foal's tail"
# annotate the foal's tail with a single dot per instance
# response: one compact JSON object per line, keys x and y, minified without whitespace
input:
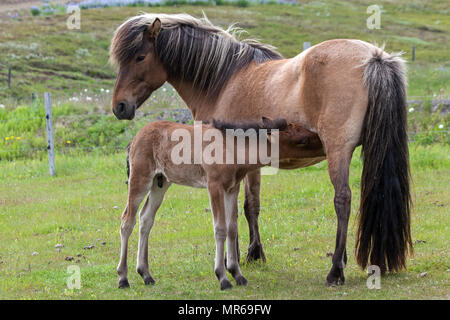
{"x":384,"y":236}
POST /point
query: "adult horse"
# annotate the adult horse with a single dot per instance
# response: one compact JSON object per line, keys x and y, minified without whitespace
{"x":348,"y":91}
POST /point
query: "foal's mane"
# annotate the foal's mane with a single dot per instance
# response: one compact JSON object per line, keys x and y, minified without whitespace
{"x":276,"y":124}
{"x":191,"y":49}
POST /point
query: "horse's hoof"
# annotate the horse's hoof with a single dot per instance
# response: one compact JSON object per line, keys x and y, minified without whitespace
{"x":333,"y":281}
{"x":255,"y":252}
{"x":124,"y":284}
{"x":241,"y":281}
{"x":149,"y":280}
{"x":225,"y":284}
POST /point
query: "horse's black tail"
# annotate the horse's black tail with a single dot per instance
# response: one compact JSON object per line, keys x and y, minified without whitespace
{"x":384,"y":236}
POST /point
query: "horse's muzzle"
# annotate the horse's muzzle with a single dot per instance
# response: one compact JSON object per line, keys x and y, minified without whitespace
{"x":124,"y":111}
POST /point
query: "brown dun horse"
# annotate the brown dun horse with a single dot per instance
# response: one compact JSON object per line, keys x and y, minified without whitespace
{"x":349,"y":92}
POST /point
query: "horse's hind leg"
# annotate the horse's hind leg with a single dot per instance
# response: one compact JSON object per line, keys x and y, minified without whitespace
{"x":137,"y":189}
{"x":338,"y":168}
{"x":251,"y":209}
{"x":146,"y":219}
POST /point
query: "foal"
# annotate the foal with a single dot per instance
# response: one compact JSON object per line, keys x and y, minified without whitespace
{"x":151,"y":157}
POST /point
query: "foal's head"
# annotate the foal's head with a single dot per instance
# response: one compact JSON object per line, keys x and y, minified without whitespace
{"x":294,"y":140}
{"x":296,"y":136}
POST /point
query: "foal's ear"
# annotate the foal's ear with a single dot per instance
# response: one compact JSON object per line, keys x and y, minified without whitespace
{"x":266,"y":121}
{"x":154,"y":29}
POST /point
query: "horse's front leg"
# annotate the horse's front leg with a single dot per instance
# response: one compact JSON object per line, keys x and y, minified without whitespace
{"x":231,"y":212}
{"x":216,"y":196}
{"x":251,"y":209}
{"x":338,"y":168}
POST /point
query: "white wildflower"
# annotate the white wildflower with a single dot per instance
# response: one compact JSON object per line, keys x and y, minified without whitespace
{"x":411,"y":109}
{"x":88,"y":99}
{"x":102,"y":90}
{"x":85,"y":90}
{"x":107,"y":90}
{"x":441,"y":126}
{"x":2,"y":106}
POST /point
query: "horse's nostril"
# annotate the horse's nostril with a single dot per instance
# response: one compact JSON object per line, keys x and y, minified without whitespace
{"x":121,"y":107}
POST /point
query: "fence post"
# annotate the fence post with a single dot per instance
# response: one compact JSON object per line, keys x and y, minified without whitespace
{"x":9,"y":77}
{"x":413,"y":53}
{"x":48,"y":121}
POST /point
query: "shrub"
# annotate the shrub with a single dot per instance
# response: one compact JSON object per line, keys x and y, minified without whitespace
{"x":242,"y":3}
{"x":35,"y":11}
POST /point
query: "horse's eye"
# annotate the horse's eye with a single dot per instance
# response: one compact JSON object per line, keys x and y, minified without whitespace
{"x":140,"y":58}
{"x":303,"y":141}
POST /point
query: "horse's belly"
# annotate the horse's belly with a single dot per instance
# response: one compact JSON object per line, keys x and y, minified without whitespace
{"x":300,"y":163}
{"x":187,"y":175}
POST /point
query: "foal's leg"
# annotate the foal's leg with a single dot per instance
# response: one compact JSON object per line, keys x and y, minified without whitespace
{"x":216,"y":196}
{"x":231,"y":213}
{"x":251,"y":208}
{"x":338,"y":168}
{"x":137,"y":189}
{"x":146,"y":219}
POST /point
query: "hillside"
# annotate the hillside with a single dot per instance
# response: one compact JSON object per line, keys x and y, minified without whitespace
{"x":45,"y":56}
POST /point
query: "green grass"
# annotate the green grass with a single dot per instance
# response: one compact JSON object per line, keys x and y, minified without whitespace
{"x":46,"y":56}
{"x":297,"y":221}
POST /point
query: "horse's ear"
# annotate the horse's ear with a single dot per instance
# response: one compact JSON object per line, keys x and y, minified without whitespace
{"x":155,"y":28}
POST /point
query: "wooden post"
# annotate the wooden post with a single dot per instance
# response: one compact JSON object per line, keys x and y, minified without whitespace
{"x":9,"y":77}
{"x":414,"y":53}
{"x":33,"y":97}
{"x":48,"y":121}
{"x":306,"y":45}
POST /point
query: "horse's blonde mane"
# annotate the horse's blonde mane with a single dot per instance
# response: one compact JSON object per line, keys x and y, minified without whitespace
{"x":191,"y":48}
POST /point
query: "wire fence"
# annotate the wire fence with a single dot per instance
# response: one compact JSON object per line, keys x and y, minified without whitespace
{"x":68,"y":148}
{"x":16,"y":148}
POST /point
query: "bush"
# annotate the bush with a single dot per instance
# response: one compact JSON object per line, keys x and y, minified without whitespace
{"x":35,"y":11}
{"x":242,"y":3}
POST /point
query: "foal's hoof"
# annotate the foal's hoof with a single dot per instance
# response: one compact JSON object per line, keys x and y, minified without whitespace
{"x":225,"y":284}
{"x":149,"y":280}
{"x":124,"y":284}
{"x":241,"y":281}
{"x":145,"y":276}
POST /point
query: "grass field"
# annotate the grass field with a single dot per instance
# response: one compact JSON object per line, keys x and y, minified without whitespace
{"x":83,"y":204}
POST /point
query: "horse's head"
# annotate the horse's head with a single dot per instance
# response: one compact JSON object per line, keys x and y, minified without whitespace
{"x":140,"y":71}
